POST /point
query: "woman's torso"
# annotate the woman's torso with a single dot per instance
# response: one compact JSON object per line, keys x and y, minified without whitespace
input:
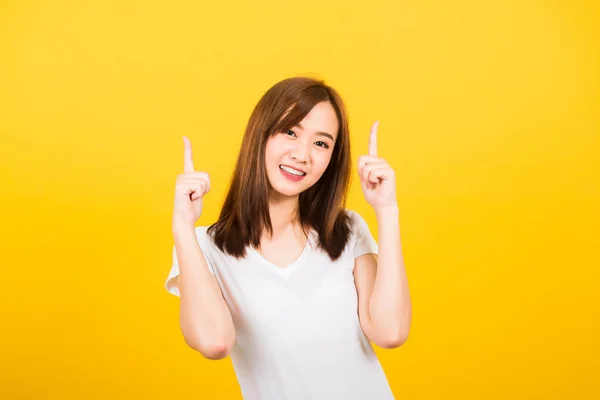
{"x":298,"y":334}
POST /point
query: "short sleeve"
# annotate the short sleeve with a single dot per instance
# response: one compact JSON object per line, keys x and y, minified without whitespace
{"x":203,"y":239}
{"x":364,"y":242}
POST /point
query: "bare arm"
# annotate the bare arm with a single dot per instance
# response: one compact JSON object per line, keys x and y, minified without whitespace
{"x":385,"y":308}
{"x":205,"y":319}
{"x":390,"y":307}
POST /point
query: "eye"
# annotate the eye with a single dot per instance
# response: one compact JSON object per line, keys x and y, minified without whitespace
{"x":319,"y":143}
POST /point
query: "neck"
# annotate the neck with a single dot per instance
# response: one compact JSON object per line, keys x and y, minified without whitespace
{"x":283,"y":211}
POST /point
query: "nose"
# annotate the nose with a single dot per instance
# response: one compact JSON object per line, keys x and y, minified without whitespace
{"x":300,"y":153}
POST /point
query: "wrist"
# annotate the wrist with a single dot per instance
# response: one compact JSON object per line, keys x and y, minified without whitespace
{"x":181,"y":229}
{"x":387,"y":211}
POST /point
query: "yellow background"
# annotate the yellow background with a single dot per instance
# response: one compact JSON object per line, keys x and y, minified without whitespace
{"x":489,"y":114}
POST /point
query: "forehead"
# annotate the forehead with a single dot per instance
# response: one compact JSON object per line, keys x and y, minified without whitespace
{"x":322,"y":118}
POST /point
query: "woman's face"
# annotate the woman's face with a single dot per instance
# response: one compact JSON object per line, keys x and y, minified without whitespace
{"x":297,"y":158}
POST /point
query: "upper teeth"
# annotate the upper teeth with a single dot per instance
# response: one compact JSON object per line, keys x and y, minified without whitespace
{"x":291,"y":170}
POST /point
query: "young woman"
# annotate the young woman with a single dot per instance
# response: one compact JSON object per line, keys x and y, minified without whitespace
{"x":288,"y":281}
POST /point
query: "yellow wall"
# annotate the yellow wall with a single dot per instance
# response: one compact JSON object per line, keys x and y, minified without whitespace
{"x":489,"y":114}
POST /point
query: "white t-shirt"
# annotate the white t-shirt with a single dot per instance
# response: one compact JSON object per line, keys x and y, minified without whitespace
{"x":298,"y":335}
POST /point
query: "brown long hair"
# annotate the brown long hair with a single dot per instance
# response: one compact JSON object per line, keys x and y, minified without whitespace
{"x":245,"y":212}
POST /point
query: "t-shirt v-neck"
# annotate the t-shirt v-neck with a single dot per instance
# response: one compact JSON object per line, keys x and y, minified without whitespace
{"x":287,"y":270}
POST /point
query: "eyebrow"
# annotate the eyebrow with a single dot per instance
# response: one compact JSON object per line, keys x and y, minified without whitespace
{"x":318,"y":133}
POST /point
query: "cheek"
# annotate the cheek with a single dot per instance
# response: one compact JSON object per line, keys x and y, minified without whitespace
{"x":270,"y":152}
{"x":321,"y":163}
{"x":274,"y":150}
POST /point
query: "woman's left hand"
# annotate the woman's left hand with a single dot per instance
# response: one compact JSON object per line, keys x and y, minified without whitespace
{"x":377,"y":178}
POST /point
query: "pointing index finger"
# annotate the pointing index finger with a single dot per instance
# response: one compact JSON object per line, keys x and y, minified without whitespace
{"x":373,"y":139}
{"x":188,"y":163}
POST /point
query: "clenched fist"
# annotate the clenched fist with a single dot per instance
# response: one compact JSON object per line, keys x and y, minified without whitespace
{"x":190,"y":188}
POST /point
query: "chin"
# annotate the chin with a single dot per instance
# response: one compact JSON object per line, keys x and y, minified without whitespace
{"x":288,"y":189}
{"x":287,"y":192}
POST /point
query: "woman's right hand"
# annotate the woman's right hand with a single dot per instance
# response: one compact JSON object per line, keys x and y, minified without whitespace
{"x":190,"y":188}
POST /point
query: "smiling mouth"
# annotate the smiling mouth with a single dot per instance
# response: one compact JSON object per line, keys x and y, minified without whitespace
{"x":291,"y":174}
{"x":292,"y":171}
